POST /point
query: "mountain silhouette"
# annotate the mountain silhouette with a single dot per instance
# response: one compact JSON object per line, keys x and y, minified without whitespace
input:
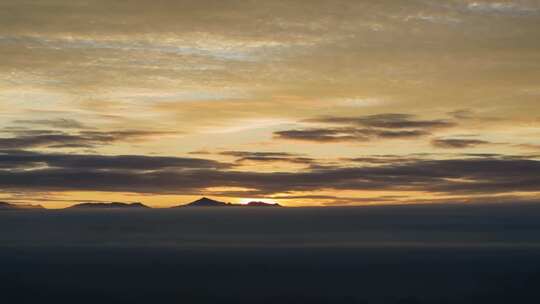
{"x":261,"y":204}
{"x":10,"y":206}
{"x":207,"y":202}
{"x":202,"y":202}
{"x":112,"y":205}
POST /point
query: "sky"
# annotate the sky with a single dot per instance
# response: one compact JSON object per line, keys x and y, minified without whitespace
{"x":305,"y":103}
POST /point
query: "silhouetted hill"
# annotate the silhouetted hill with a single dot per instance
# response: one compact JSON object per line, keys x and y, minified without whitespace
{"x":9,"y":206}
{"x":261,"y":204}
{"x":113,"y":205}
{"x":206,"y":202}
{"x":4,"y":205}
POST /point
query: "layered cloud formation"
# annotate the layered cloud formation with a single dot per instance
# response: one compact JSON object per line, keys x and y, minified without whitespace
{"x":308,"y":102}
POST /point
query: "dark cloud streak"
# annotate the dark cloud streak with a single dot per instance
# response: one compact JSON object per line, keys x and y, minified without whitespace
{"x":61,"y":123}
{"x":147,"y":174}
{"x":365,"y":128}
{"x":347,"y":134}
{"x":25,"y":139}
{"x":388,"y":121}
{"x":457,"y":143}
{"x":16,"y":159}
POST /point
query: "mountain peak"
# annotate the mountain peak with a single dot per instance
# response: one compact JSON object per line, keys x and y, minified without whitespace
{"x":207,"y":202}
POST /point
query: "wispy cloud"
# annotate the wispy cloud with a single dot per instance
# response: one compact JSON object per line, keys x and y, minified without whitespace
{"x":511,"y":8}
{"x":24,"y":139}
{"x":458,"y":143}
{"x":60,"y":123}
{"x":365,"y":128}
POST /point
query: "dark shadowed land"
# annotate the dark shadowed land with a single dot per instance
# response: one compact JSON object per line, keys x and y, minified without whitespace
{"x":400,"y":254}
{"x":9,"y":206}
{"x":113,"y":205}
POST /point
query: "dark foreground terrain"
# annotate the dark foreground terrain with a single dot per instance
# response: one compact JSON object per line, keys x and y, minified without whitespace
{"x":409,"y":254}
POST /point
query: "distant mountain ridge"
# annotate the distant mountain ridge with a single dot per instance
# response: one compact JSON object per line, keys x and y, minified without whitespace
{"x":112,"y":205}
{"x":207,"y":202}
{"x":261,"y":204}
{"x":10,"y":206}
{"x":202,"y":202}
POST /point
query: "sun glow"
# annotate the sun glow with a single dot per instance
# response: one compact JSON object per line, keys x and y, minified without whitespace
{"x":246,"y":201}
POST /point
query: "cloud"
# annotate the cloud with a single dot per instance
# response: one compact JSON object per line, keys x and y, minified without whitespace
{"x":387,"y":121}
{"x":16,"y":159}
{"x":462,"y":114}
{"x":101,"y":52}
{"x":322,"y":135}
{"x":241,"y":154}
{"x":146,"y":174}
{"x":403,"y":134}
{"x":383,"y":159}
{"x":535,"y":147}
{"x":436,"y":19}
{"x":265,"y":157}
{"x":25,"y":139}
{"x":202,"y":66}
{"x":347,"y":134}
{"x":471,"y":115}
{"x":60,"y":123}
{"x":457,"y":143}
{"x":365,"y":128}
{"x":501,"y":8}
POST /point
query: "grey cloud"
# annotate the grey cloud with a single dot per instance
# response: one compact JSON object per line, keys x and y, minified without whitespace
{"x":257,"y":154}
{"x":457,"y":143}
{"x":322,"y":135}
{"x":468,"y":114}
{"x":401,"y":134}
{"x":15,"y":159}
{"x":24,"y":139}
{"x":200,"y":152}
{"x":383,"y":159}
{"x":266,"y":157}
{"x":388,"y":121}
{"x":61,"y":123}
{"x":295,"y":160}
{"x":365,"y":128}
{"x":185,"y":176}
{"x":347,"y":134}
{"x":489,"y":155}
